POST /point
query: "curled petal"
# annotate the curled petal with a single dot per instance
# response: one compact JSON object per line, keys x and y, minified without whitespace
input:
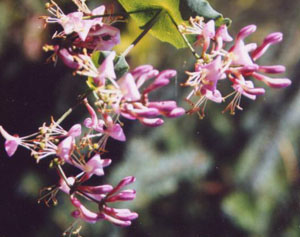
{"x":11,"y":147}
{"x":214,"y":96}
{"x":129,"y":88}
{"x":223,"y":33}
{"x":116,"y":132}
{"x":125,"y":195}
{"x":74,"y":131}
{"x":64,"y":148}
{"x":67,"y":58}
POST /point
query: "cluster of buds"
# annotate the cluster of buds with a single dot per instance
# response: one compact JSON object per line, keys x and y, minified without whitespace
{"x":236,"y":64}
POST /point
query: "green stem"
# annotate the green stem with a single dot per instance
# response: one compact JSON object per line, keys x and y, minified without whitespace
{"x":118,"y":14}
{"x":69,"y":111}
{"x":185,"y":39}
{"x":146,"y":28}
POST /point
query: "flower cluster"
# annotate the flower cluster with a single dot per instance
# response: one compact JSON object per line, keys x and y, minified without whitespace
{"x":236,"y":64}
{"x":113,"y":96}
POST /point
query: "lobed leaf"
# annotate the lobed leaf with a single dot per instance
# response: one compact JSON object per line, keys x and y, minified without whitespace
{"x":171,"y":11}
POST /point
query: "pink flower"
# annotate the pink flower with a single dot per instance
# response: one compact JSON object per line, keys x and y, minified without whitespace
{"x":134,"y":103}
{"x":12,"y":142}
{"x":83,"y":213}
{"x":74,"y":22}
{"x":111,"y":129}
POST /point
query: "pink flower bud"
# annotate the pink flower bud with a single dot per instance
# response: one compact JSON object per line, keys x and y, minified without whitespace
{"x":145,"y":112}
{"x":152,"y":122}
{"x":269,"y":40}
{"x":273,"y":38}
{"x":176,"y":112}
{"x":83,"y":213}
{"x":246,"y":31}
{"x":273,"y":82}
{"x":162,"y":79}
{"x":164,"y":106}
{"x":101,"y":189}
{"x":125,"y":195}
{"x":139,"y":71}
{"x":274,"y":69}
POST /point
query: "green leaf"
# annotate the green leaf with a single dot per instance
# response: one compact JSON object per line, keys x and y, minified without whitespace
{"x":194,"y":8}
{"x":172,"y":10}
{"x":164,"y":28}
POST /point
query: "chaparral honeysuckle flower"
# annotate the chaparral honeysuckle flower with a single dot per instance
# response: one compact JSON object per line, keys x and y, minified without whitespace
{"x":102,"y":195}
{"x":74,"y":22}
{"x":238,"y":65}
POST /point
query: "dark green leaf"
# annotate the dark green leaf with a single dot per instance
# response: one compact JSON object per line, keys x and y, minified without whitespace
{"x":194,"y":8}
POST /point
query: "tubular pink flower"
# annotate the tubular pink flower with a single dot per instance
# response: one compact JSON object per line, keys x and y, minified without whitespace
{"x":273,"y":82}
{"x":125,"y":195}
{"x":272,"y":38}
{"x":274,"y":69}
{"x":83,"y":213}
{"x":161,"y":80}
{"x":245,"y":32}
{"x":152,"y":122}
{"x":12,"y":142}
{"x":119,"y":217}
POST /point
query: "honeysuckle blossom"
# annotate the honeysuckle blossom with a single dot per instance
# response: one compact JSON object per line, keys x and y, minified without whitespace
{"x":135,"y":103}
{"x":74,"y":22}
{"x":237,"y":65}
{"x":12,"y":142}
{"x":101,"y":74}
{"x":103,"y":195}
{"x":103,"y":126}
